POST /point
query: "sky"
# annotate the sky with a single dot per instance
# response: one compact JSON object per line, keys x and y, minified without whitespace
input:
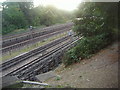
{"x":68,"y":5}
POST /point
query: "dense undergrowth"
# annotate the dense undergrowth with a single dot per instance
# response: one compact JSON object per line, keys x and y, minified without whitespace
{"x":85,"y":48}
{"x":97,"y":25}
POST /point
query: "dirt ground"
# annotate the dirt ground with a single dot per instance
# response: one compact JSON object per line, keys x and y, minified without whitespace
{"x":100,"y":71}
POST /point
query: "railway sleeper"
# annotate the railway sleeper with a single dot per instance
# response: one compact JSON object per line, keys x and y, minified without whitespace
{"x":31,"y":53}
{"x":43,"y":70}
{"x":50,"y":65}
{"x":19,"y":39}
{"x":29,"y":42}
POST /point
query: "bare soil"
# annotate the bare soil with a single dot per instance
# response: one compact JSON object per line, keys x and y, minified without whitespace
{"x":100,"y":71}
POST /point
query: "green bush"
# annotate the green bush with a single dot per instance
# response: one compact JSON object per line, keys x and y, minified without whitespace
{"x":8,"y":29}
{"x":98,"y":25}
{"x":70,"y":57}
{"x":86,"y":47}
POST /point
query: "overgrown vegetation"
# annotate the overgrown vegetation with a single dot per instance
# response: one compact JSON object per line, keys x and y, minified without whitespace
{"x":97,"y":23}
{"x":20,"y":15}
{"x":86,"y":48}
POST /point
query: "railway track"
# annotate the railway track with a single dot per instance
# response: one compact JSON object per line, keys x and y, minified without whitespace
{"x":22,"y":38}
{"x":16,"y":60}
{"x":36,"y":30}
{"x":34,"y":40}
{"x":32,"y":68}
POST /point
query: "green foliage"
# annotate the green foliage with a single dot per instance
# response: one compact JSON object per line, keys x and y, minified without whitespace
{"x":90,"y":26}
{"x":17,"y":15}
{"x":70,"y":57}
{"x":58,"y":78}
{"x":96,"y":18}
{"x":50,"y":15}
{"x":98,"y":26}
{"x":8,"y":29}
{"x":89,"y":46}
{"x":13,"y":17}
{"x":85,"y":48}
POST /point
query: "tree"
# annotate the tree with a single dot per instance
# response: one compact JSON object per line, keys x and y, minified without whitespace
{"x":96,"y":18}
{"x":13,"y":17}
{"x":26,"y":7}
{"x":97,"y":23}
{"x":18,"y":15}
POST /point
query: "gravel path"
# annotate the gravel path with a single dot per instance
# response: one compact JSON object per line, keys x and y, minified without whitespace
{"x":100,"y":71}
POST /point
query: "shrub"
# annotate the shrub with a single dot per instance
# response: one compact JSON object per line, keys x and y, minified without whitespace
{"x":86,"y":47}
{"x":8,"y":29}
{"x":70,"y":57}
{"x":98,"y":25}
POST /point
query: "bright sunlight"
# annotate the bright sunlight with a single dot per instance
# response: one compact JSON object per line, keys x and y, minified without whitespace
{"x":61,"y":4}
{"x":68,"y":5}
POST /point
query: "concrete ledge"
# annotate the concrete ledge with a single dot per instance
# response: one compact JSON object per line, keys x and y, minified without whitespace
{"x":43,"y":77}
{"x":9,"y":80}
